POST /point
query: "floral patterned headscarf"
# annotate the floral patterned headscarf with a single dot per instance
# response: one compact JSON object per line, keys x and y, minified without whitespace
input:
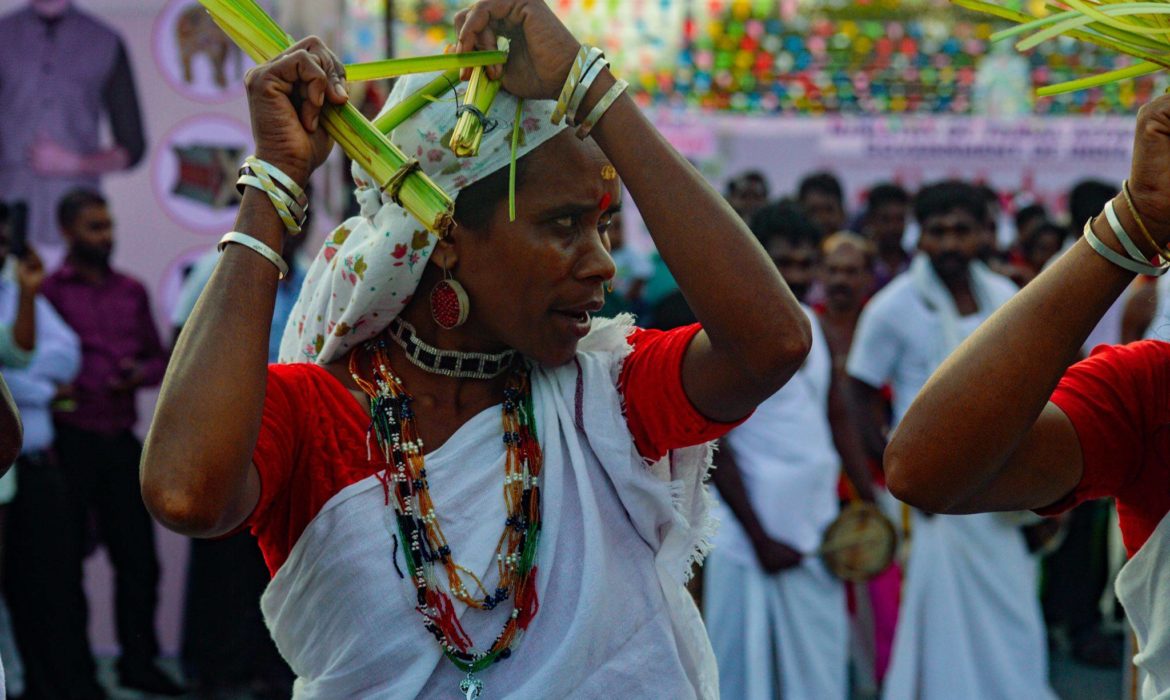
{"x":369,"y":267}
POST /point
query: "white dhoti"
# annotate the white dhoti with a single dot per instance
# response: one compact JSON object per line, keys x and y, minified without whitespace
{"x":970,"y":624}
{"x":787,"y":634}
{"x":788,"y":630}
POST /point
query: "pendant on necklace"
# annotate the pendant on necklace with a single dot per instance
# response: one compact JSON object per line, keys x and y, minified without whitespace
{"x":472,"y":686}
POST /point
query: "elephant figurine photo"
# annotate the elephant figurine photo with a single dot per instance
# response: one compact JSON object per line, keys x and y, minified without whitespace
{"x":196,"y":33}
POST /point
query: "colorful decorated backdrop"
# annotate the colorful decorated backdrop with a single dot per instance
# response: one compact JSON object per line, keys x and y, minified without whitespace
{"x":804,"y":57}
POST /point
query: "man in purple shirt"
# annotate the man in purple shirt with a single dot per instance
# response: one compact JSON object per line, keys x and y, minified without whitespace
{"x":121,"y":352}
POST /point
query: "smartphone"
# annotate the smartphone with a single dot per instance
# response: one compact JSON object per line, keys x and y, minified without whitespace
{"x":18,"y":229}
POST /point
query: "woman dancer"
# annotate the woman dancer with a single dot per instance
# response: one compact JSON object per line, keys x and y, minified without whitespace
{"x":371,"y":467}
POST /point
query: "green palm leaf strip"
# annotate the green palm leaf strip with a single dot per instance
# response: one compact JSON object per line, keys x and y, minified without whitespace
{"x":1100,"y":79}
{"x":1137,"y":29}
{"x":262,"y":39}
{"x":516,"y":129}
{"x":393,"y":67}
{"x":468,"y":133}
{"x":391,"y":118}
{"x":1103,"y":40}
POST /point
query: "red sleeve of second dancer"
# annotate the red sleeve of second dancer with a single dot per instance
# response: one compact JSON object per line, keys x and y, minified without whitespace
{"x":659,"y":413}
{"x":1116,"y":400}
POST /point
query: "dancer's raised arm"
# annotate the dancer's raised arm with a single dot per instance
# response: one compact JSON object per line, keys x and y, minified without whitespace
{"x":196,"y":467}
{"x":983,"y":435}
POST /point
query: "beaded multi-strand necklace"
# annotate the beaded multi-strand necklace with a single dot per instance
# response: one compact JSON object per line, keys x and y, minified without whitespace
{"x":405,"y":486}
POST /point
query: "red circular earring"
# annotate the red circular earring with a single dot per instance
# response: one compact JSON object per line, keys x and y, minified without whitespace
{"x":449,"y":303}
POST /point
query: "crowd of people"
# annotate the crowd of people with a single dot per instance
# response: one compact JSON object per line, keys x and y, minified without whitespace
{"x":966,"y":610}
{"x":959,"y":609}
{"x":784,"y":341}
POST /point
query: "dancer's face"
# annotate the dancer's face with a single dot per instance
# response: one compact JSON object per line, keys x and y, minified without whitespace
{"x":534,"y":283}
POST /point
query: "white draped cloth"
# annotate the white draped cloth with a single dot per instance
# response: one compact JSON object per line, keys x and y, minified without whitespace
{"x":786,"y":634}
{"x":782,"y":635}
{"x":618,"y":541}
{"x":1143,"y":591}
{"x":789,"y":464}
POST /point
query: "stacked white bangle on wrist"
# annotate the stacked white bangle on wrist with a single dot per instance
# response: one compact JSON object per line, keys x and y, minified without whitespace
{"x":586,"y":55}
{"x":297,"y":192}
{"x":587,"y":66}
{"x":1136,"y":261}
{"x":601,"y":108}
{"x":256,"y":245}
{"x":287,"y":197}
{"x":599,"y":64}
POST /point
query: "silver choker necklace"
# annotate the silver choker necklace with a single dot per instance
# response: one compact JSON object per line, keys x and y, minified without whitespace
{"x":449,"y":363}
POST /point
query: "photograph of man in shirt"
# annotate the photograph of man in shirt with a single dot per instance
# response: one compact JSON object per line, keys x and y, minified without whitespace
{"x":62,"y":72}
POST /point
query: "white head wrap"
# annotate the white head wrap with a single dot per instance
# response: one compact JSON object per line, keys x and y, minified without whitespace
{"x":370,"y":265}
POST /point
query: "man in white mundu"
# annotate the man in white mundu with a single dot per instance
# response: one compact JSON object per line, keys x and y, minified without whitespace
{"x":970,"y":624}
{"x":775,"y":614}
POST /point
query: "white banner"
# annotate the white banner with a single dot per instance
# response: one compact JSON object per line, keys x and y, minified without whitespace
{"x":1039,"y":157}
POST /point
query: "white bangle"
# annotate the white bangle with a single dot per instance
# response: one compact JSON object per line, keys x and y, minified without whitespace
{"x":601,"y":107}
{"x":585,"y":56}
{"x":277,"y":197}
{"x":256,"y":245}
{"x":277,"y":174}
{"x":289,"y":200}
{"x":1117,"y":258}
{"x":1135,"y":253}
{"x":582,"y":88}
{"x":250,"y":179}
{"x":296,"y":203}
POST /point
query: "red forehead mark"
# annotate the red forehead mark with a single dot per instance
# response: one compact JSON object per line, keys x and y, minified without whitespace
{"x":606,"y":200}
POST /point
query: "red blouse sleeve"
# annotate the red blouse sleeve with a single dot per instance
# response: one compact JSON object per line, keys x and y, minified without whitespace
{"x":276,"y":447}
{"x":312,"y":444}
{"x":659,"y":413}
{"x":1117,"y":401}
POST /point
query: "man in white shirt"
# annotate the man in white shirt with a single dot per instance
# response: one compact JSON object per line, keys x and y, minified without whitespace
{"x":970,"y":623}
{"x":775,"y":615}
